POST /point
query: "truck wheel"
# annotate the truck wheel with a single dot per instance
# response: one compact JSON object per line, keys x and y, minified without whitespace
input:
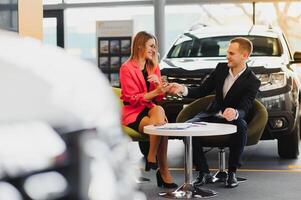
{"x":144,"y":147}
{"x":288,"y":145}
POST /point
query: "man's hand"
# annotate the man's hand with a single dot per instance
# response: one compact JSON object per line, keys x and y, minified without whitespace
{"x":229,"y":114}
{"x":162,"y":88}
{"x":175,"y":89}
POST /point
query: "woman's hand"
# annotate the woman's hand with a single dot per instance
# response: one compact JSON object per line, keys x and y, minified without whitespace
{"x":176,"y":89}
{"x":154,"y":78}
{"x":163,"y":88}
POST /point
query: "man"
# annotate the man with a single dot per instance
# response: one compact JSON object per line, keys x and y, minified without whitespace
{"x":235,"y":87}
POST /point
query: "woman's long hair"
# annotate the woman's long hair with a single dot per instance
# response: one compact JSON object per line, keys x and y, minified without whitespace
{"x":138,"y":48}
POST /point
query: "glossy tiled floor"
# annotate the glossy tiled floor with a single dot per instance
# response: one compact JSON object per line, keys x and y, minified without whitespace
{"x":268,"y":176}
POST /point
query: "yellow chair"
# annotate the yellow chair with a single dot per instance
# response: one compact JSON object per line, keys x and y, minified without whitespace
{"x":256,"y":123}
{"x":142,"y":139}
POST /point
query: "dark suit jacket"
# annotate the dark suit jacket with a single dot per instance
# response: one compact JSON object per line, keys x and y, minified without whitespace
{"x":240,"y":96}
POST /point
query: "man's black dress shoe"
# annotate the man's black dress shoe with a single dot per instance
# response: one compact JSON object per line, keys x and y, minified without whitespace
{"x":203,"y":178}
{"x":231,"y":181}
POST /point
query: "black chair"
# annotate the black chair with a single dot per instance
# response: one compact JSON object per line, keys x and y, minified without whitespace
{"x":257,"y":120}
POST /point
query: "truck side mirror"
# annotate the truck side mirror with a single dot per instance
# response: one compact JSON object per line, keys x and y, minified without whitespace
{"x":297,"y":57}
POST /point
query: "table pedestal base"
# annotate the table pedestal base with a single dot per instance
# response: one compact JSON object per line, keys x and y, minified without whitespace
{"x":188,"y":191}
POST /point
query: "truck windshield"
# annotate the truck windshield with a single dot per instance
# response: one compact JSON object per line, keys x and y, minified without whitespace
{"x":189,"y":46}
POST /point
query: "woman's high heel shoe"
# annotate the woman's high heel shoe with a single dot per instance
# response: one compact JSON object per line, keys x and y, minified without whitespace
{"x":161,"y":183}
{"x":150,"y":165}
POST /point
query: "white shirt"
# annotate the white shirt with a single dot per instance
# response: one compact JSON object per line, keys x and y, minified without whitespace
{"x":229,"y":81}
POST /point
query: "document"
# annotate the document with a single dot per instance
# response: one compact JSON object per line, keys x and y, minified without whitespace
{"x":174,"y":126}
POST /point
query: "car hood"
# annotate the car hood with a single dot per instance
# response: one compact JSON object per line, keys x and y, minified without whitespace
{"x":43,"y":82}
{"x":28,"y":146}
{"x":210,"y":63}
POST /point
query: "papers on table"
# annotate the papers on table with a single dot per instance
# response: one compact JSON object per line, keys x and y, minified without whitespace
{"x":175,"y":126}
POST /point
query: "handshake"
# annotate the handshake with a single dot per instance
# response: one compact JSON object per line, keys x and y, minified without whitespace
{"x":173,"y":88}
{"x":165,"y":87}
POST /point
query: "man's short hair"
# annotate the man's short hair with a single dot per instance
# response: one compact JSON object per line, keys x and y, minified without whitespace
{"x":244,"y":44}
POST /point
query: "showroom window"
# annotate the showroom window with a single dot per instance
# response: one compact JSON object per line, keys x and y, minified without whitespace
{"x":213,"y":14}
{"x":287,"y":15}
{"x":80,"y":31}
{"x":49,"y":31}
{"x":80,"y":23}
{"x":80,"y":26}
{"x":9,"y":15}
{"x":46,"y":2}
{"x":96,"y":1}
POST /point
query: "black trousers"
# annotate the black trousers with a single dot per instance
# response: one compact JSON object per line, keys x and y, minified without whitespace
{"x":236,"y":146}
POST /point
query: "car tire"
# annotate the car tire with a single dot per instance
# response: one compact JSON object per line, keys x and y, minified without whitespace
{"x":288,"y":145}
{"x":144,"y":147}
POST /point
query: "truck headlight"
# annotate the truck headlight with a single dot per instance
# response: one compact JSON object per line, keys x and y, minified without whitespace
{"x":272,"y":81}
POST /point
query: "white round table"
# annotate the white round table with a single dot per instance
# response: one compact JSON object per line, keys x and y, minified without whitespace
{"x":188,"y":130}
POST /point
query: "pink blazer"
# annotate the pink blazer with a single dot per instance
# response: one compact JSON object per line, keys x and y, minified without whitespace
{"x":133,"y":88}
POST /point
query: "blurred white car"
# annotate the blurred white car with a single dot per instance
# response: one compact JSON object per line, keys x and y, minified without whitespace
{"x":60,"y":135}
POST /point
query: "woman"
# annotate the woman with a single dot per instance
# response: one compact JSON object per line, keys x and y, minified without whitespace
{"x":142,"y":88}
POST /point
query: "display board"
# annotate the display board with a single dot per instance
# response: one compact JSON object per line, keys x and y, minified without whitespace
{"x":114,"y":39}
{"x":113,"y":51}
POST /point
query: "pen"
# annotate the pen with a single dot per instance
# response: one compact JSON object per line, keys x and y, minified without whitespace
{"x":200,"y":123}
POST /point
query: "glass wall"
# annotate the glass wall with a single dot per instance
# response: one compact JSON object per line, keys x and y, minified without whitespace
{"x":45,"y":2}
{"x":9,"y":15}
{"x":80,"y":23}
{"x":49,"y":31}
{"x":213,"y":14}
{"x":286,"y":15}
{"x":95,"y":1}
